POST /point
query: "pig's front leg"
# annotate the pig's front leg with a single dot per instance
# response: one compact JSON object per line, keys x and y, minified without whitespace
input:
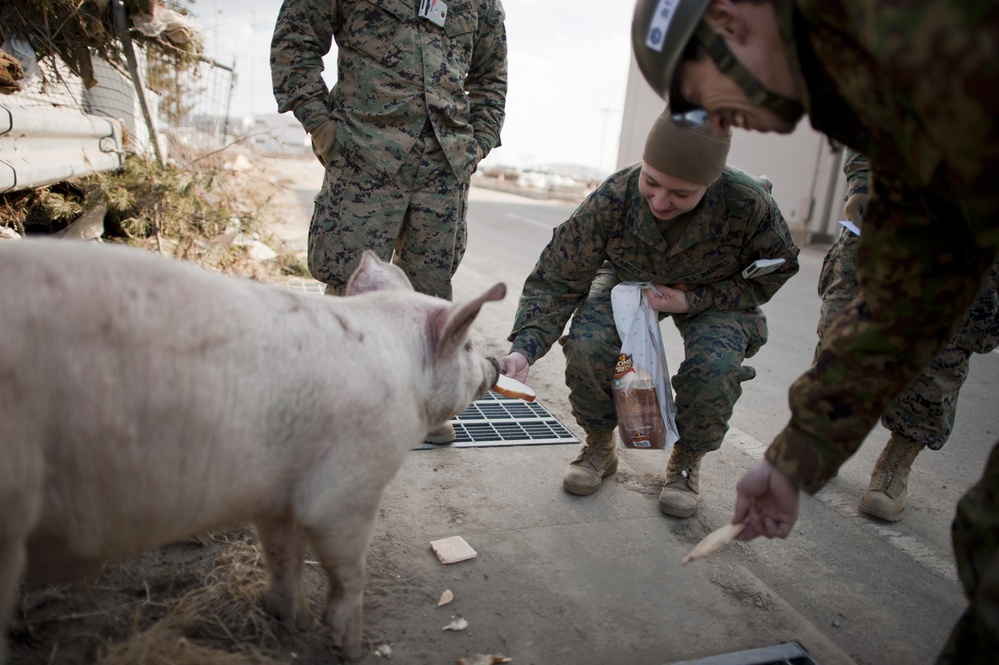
{"x":284,"y":549}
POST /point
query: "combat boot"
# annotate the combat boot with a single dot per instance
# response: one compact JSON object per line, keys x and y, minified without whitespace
{"x":886,"y":497}
{"x":680,"y":495}
{"x":442,"y":434}
{"x":596,"y":460}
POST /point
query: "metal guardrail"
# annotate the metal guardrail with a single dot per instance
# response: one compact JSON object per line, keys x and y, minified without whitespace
{"x":40,"y":146}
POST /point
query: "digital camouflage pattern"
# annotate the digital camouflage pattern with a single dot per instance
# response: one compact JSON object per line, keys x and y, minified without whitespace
{"x":415,"y":105}
{"x":925,"y":412}
{"x":975,"y":536}
{"x":418,"y":214}
{"x":931,"y":227}
{"x":613,"y":237}
{"x":912,"y":86}
{"x":394,"y":71}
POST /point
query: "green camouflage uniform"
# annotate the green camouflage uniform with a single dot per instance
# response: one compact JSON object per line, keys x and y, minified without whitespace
{"x":415,"y":105}
{"x":613,"y":237}
{"x":912,"y":86}
{"x":925,"y":412}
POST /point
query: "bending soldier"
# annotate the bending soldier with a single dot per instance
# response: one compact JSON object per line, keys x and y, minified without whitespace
{"x":687,"y":223}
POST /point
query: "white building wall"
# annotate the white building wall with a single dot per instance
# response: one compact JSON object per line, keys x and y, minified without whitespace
{"x":807,"y":176}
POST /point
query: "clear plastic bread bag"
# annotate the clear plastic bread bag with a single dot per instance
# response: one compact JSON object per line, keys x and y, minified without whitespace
{"x":642,"y":394}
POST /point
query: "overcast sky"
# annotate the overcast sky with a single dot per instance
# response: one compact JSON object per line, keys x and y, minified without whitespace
{"x":568,"y":71}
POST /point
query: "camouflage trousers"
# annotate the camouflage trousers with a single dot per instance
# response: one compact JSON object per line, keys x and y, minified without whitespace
{"x":975,"y":535}
{"x":925,"y":412}
{"x":415,"y":218}
{"x":706,"y":385}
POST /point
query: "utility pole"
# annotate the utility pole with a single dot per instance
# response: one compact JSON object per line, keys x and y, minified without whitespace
{"x":603,"y":134}
{"x":253,"y":39}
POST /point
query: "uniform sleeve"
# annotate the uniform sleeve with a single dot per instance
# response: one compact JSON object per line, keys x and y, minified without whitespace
{"x":303,"y":34}
{"x":562,"y":277}
{"x":768,"y":237}
{"x":882,"y":340}
{"x":858,"y":173}
{"x":486,"y":83}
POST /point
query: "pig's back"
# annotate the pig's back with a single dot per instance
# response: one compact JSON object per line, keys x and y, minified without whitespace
{"x":157,"y":388}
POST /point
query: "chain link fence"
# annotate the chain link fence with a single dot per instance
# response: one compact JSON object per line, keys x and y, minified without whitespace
{"x":194,"y":105}
{"x":188,"y":99}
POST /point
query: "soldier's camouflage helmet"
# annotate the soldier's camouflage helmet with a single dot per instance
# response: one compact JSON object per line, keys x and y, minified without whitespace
{"x":660,"y":31}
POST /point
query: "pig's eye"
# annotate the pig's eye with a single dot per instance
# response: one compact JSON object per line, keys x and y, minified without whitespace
{"x":468,"y":346}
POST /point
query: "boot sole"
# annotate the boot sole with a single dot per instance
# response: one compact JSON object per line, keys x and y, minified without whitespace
{"x":673,"y":512}
{"x":881,"y":514}
{"x":586,"y":490}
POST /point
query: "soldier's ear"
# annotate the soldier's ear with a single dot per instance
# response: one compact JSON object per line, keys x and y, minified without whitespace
{"x":726,"y":18}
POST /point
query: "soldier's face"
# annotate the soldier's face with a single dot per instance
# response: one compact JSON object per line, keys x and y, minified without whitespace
{"x":751,"y":34}
{"x":702,"y":84}
{"x":668,"y":197}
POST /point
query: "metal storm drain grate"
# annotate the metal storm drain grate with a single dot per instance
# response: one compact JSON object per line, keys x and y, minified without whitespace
{"x":309,"y":286}
{"x":495,"y":420}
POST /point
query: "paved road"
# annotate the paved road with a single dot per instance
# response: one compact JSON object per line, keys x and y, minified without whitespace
{"x":883,"y":576}
{"x":557,"y":573}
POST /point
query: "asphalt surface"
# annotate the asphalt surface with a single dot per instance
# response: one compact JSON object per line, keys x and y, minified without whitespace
{"x":566,"y":579}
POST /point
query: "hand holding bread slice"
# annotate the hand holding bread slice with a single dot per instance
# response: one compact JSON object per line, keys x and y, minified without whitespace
{"x":714,"y":541}
{"x":510,"y":387}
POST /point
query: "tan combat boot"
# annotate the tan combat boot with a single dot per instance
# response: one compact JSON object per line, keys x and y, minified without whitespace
{"x":886,"y":497}
{"x":442,"y":434}
{"x":679,"y":497}
{"x":596,"y":460}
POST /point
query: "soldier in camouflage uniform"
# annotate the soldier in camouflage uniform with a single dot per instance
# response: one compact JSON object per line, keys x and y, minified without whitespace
{"x":419,"y":101}
{"x":687,"y":223}
{"x":923,"y":416}
{"x":913,"y":87}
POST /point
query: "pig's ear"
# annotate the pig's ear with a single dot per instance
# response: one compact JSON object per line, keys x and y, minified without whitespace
{"x":452,"y":324}
{"x":373,"y":274}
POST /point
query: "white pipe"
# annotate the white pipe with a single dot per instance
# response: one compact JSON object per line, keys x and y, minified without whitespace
{"x":40,"y":146}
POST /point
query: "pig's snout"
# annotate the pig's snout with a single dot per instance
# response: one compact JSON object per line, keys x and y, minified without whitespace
{"x":495,"y":374}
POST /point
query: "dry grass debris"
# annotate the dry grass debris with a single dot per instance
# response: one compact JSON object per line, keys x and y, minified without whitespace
{"x":198,"y":212}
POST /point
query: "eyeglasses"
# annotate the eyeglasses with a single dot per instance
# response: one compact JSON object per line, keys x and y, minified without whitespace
{"x":689,"y":119}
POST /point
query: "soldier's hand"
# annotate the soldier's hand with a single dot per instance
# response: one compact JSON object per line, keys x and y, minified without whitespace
{"x":479,"y":154}
{"x":669,"y":299}
{"x":766,"y":502}
{"x":515,"y":366}
{"x":856,"y":206}
{"x":323,"y":140}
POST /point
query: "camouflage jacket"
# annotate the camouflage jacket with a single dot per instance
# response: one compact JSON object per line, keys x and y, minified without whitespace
{"x":736,"y":223}
{"x":857,"y":171}
{"x":980,"y":331}
{"x":394,"y":70}
{"x":911,"y":85}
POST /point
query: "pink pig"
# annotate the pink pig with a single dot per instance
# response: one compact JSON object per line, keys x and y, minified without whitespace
{"x":144,"y":400}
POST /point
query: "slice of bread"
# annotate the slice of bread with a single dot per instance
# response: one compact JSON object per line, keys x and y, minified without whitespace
{"x":509,"y":387}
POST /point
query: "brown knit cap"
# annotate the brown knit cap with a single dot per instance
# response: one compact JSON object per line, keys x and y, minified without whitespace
{"x":694,"y":154}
